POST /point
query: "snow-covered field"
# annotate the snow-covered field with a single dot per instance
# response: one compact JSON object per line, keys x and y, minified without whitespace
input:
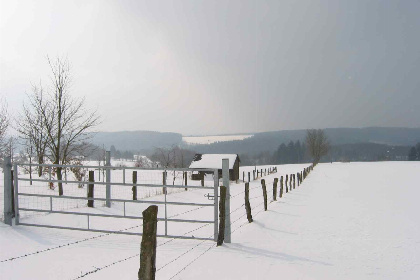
{"x":346,"y":221}
{"x":213,"y":139}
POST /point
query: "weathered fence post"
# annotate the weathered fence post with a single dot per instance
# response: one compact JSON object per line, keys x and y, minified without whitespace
{"x":275,"y":189}
{"x":243,"y":176}
{"x":285,"y":182}
{"x":247,"y":204}
{"x":249,"y":176}
{"x":147,"y":269}
{"x":298,"y":179}
{"x":253,"y":175}
{"x":222,"y":216}
{"x":108,"y":178}
{"x":294,"y":181}
{"x":258,"y":172}
{"x":226,"y":182}
{"x":186,"y":179}
{"x":281,"y":186}
{"x":134,"y":188}
{"x":264,"y":188}
{"x":290,"y":182}
{"x":91,"y":188}
{"x":8,"y":191}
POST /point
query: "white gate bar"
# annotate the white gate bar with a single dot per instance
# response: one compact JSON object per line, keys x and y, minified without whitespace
{"x":118,"y":184}
{"x":118,"y":200}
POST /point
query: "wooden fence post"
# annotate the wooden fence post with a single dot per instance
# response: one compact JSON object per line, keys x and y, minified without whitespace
{"x":243,"y":176}
{"x":134,"y":188}
{"x":294,"y":181}
{"x":147,"y":269}
{"x":290,"y":182}
{"x":285,"y":182}
{"x":281,"y":186}
{"x":247,"y":204}
{"x":186,"y":179}
{"x":253,"y":175}
{"x":249,"y":176}
{"x":264,"y":188}
{"x":275,"y":189}
{"x":258,"y":173}
{"x":222,"y":210}
{"x":91,"y":188}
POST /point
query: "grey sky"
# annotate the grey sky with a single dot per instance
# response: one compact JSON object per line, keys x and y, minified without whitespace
{"x":211,"y":67}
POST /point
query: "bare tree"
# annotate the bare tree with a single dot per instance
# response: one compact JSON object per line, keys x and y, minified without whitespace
{"x":63,"y":119}
{"x":31,"y":125}
{"x":317,"y":143}
{"x":4,"y":124}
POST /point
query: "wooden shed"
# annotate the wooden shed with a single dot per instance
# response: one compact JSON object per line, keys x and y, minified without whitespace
{"x":214,"y":161}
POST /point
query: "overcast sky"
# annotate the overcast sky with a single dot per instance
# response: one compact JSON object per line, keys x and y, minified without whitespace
{"x":213,"y":67}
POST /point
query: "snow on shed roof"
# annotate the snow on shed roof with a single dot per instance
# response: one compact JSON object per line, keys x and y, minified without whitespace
{"x":213,"y":161}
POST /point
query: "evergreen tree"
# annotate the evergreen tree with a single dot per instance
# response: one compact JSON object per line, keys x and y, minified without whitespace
{"x":412,"y":154}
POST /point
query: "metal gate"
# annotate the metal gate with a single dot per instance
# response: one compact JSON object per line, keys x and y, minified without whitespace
{"x":21,"y":194}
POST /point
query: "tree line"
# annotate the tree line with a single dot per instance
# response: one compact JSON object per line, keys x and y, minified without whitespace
{"x":414,"y":153}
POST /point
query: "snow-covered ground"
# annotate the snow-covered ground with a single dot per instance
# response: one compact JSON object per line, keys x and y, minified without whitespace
{"x":213,"y":139}
{"x":346,"y":221}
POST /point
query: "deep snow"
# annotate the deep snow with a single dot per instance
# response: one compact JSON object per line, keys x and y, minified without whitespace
{"x":347,"y":221}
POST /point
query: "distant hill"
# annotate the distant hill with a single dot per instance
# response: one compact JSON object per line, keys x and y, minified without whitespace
{"x":269,"y":141}
{"x":136,"y":140}
{"x":260,"y":142}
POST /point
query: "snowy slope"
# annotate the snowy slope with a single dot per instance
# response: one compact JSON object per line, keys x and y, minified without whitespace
{"x":347,"y":221}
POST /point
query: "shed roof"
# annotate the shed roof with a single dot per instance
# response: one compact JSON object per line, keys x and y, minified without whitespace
{"x":212,"y":161}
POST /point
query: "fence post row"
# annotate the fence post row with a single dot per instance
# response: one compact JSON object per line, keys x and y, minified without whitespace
{"x":247,"y":204}
{"x":108,"y":178}
{"x":8,"y":191}
{"x":147,"y":268}
{"x":225,"y":173}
